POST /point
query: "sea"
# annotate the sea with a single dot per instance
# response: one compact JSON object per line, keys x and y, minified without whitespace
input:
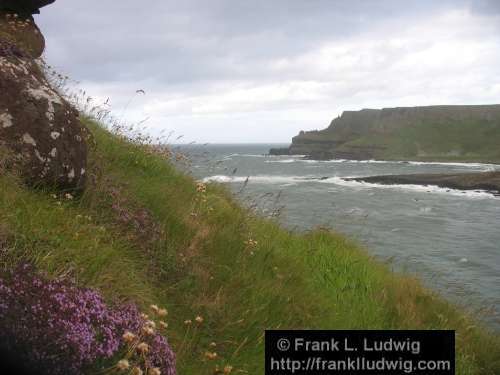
{"x":449,"y":238}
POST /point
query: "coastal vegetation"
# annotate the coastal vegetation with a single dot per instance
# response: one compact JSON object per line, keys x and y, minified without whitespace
{"x":453,"y":133}
{"x":146,"y":233}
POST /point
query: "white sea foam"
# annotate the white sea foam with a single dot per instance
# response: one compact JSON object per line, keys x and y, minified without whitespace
{"x":310,"y":161}
{"x":425,"y":209}
{"x":341,"y":181}
{"x":481,"y":166}
{"x":251,"y":155}
{"x":416,"y":188}
{"x":261,"y":179}
{"x":282,"y":161}
{"x":466,"y":165}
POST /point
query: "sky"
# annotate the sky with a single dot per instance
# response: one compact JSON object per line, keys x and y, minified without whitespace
{"x":240,"y":71}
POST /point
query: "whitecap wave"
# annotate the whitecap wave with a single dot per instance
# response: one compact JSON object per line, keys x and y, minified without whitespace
{"x":343,"y":181}
{"x":417,"y":188}
{"x":251,"y":155}
{"x":261,"y":179}
{"x":482,"y":166}
{"x":491,"y":167}
{"x":282,"y":161}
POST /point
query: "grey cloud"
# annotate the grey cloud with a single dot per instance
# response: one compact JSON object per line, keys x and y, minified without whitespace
{"x":196,"y":40}
{"x":184,"y":49}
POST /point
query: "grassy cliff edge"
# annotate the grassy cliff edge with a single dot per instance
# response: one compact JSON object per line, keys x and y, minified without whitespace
{"x":446,"y":133}
{"x":144,"y":231}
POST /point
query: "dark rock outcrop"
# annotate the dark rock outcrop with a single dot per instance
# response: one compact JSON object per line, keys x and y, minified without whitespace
{"x":434,"y":133}
{"x":23,"y":8}
{"x":279,"y":151}
{"x":42,"y":130}
{"x":489,"y":181}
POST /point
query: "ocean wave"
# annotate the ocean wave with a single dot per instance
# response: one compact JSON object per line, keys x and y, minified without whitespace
{"x":342,"y":181}
{"x":251,"y":155}
{"x":451,"y":164}
{"x":282,"y":161}
{"x":261,"y":179}
{"x":309,"y":161}
{"x":416,"y":188}
{"x":486,"y":167}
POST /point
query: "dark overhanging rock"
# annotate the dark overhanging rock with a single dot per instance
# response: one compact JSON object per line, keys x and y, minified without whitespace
{"x":39,"y":127}
{"x":24,"y":8}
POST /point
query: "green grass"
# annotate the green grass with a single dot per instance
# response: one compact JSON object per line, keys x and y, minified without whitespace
{"x":419,"y":139}
{"x":132,"y":235}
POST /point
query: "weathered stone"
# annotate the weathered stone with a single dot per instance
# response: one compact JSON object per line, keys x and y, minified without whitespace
{"x":40,"y":127}
{"x":22,"y":33}
{"x":37,"y":125}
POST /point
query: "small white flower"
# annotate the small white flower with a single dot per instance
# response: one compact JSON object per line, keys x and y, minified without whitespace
{"x":123,"y":365}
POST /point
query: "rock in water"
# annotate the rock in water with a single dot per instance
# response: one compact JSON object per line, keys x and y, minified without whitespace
{"x":37,"y":124}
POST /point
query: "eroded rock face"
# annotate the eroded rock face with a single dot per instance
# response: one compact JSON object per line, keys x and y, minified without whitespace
{"x":38,"y":125}
{"x":22,"y":32}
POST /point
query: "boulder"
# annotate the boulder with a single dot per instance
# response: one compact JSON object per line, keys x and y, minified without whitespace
{"x":39,"y":127}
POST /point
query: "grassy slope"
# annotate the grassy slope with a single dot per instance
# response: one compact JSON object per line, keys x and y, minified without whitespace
{"x":201,"y":266}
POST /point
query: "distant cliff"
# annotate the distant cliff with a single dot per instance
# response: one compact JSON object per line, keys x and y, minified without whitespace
{"x":437,"y":133}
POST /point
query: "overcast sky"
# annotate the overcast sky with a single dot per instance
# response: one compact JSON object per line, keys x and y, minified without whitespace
{"x":261,"y":70}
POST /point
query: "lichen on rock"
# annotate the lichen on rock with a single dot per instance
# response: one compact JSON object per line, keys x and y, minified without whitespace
{"x":36,"y":123}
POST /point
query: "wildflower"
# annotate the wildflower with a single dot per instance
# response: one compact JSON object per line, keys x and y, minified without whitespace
{"x":162,"y":312}
{"x":148,"y":331}
{"x":154,"y":308}
{"x":67,"y":343}
{"x":122,"y":365}
{"x":154,"y":371}
{"x":150,"y":323}
{"x":201,"y":187}
{"x":53,"y":196}
{"x":188,"y":322}
{"x":128,"y":336}
{"x":199,"y":319}
{"x":211,"y":355}
{"x":136,"y":371}
{"x":163,"y":324}
{"x":143,"y":347}
{"x":68,"y":196}
{"x":250,"y":242}
{"x":144,"y":316}
{"x":228,"y":369}
{"x":213,"y":344}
